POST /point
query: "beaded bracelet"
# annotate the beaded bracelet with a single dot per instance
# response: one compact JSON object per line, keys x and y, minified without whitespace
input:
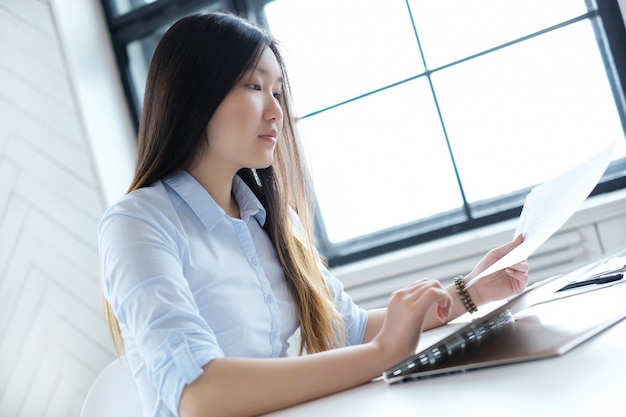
{"x":459,"y":283}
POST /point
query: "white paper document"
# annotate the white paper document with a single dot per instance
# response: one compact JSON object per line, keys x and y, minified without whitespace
{"x":549,"y":205}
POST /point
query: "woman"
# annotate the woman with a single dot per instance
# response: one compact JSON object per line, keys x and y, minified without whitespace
{"x":208,"y":262}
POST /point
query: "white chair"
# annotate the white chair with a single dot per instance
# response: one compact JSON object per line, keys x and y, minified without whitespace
{"x":113,"y":393}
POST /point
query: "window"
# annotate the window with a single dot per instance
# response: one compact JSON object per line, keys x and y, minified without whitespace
{"x":423,"y":118}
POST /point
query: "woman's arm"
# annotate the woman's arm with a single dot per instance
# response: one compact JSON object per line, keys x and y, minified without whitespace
{"x":245,"y":387}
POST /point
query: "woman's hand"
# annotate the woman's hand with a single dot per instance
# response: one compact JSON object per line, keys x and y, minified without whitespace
{"x":405,"y":315}
{"x":425,"y":304}
{"x":501,"y":284}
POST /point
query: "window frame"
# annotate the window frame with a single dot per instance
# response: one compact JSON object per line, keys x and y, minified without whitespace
{"x":148,"y":19}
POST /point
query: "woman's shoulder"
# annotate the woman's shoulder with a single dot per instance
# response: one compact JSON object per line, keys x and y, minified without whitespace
{"x":147,"y":211}
{"x":151,"y":206}
{"x":142,"y":201}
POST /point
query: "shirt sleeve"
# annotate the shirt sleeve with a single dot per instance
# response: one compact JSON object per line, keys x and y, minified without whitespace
{"x":143,"y":282}
{"x":355,"y":317}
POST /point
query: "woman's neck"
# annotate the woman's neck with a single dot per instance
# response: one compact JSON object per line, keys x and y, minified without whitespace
{"x":220,"y":187}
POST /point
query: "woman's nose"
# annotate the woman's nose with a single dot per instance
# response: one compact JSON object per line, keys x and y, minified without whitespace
{"x":273,"y":108}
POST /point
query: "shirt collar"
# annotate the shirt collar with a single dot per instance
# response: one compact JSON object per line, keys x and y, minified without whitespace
{"x":203,"y":205}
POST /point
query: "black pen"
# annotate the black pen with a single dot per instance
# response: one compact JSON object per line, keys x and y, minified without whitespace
{"x":593,"y":281}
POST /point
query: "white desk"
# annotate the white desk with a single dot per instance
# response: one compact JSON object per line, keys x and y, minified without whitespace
{"x":589,"y":380}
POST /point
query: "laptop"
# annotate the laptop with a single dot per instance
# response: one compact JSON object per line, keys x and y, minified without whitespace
{"x":538,"y":323}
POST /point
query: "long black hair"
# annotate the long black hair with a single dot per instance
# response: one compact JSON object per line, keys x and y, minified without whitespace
{"x":195,"y":65}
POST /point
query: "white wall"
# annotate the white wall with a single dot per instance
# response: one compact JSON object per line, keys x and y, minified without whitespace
{"x":53,"y":341}
{"x":84,"y":37}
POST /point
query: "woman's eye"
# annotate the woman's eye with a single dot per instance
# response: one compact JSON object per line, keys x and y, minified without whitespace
{"x":255,"y":87}
{"x":278,"y":96}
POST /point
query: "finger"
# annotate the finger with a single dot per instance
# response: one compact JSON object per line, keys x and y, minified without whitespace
{"x":419,"y":282}
{"x":519,"y":279}
{"x":433,"y":294}
{"x":411,"y":293}
{"x":444,"y":309}
{"x":417,"y":289}
{"x":502,"y":250}
{"x":420,"y":296}
{"x":515,"y":242}
{"x":518,"y":275}
{"x":519,"y":267}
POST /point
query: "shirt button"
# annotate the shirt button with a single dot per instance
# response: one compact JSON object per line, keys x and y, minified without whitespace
{"x":254,"y":261}
{"x":274,"y":335}
{"x":175,"y":339}
{"x":269,"y":299}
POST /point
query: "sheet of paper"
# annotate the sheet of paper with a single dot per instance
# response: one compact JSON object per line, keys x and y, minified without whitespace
{"x":549,"y":205}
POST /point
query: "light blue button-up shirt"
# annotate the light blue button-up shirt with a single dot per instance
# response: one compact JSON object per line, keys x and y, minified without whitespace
{"x":189,"y":284}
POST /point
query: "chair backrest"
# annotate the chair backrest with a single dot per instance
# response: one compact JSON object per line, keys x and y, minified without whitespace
{"x":113,"y":393}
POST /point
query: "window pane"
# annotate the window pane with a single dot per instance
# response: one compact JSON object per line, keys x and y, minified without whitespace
{"x":525,"y":113}
{"x":453,"y":29}
{"x":336,"y":50}
{"x":377,"y":162}
{"x":139,"y":56}
{"x":514,"y":117}
{"x":120,"y":7}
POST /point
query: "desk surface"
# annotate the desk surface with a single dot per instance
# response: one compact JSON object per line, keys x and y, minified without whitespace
{"x":588,"y":380}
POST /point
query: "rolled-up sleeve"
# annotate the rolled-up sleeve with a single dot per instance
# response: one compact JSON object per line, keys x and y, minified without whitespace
{"x":143,"y":282}
{"x":354,"y":317}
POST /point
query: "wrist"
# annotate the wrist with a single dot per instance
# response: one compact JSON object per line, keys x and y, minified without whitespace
{"x":381,"y":354}
{"x":474,"y":291}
